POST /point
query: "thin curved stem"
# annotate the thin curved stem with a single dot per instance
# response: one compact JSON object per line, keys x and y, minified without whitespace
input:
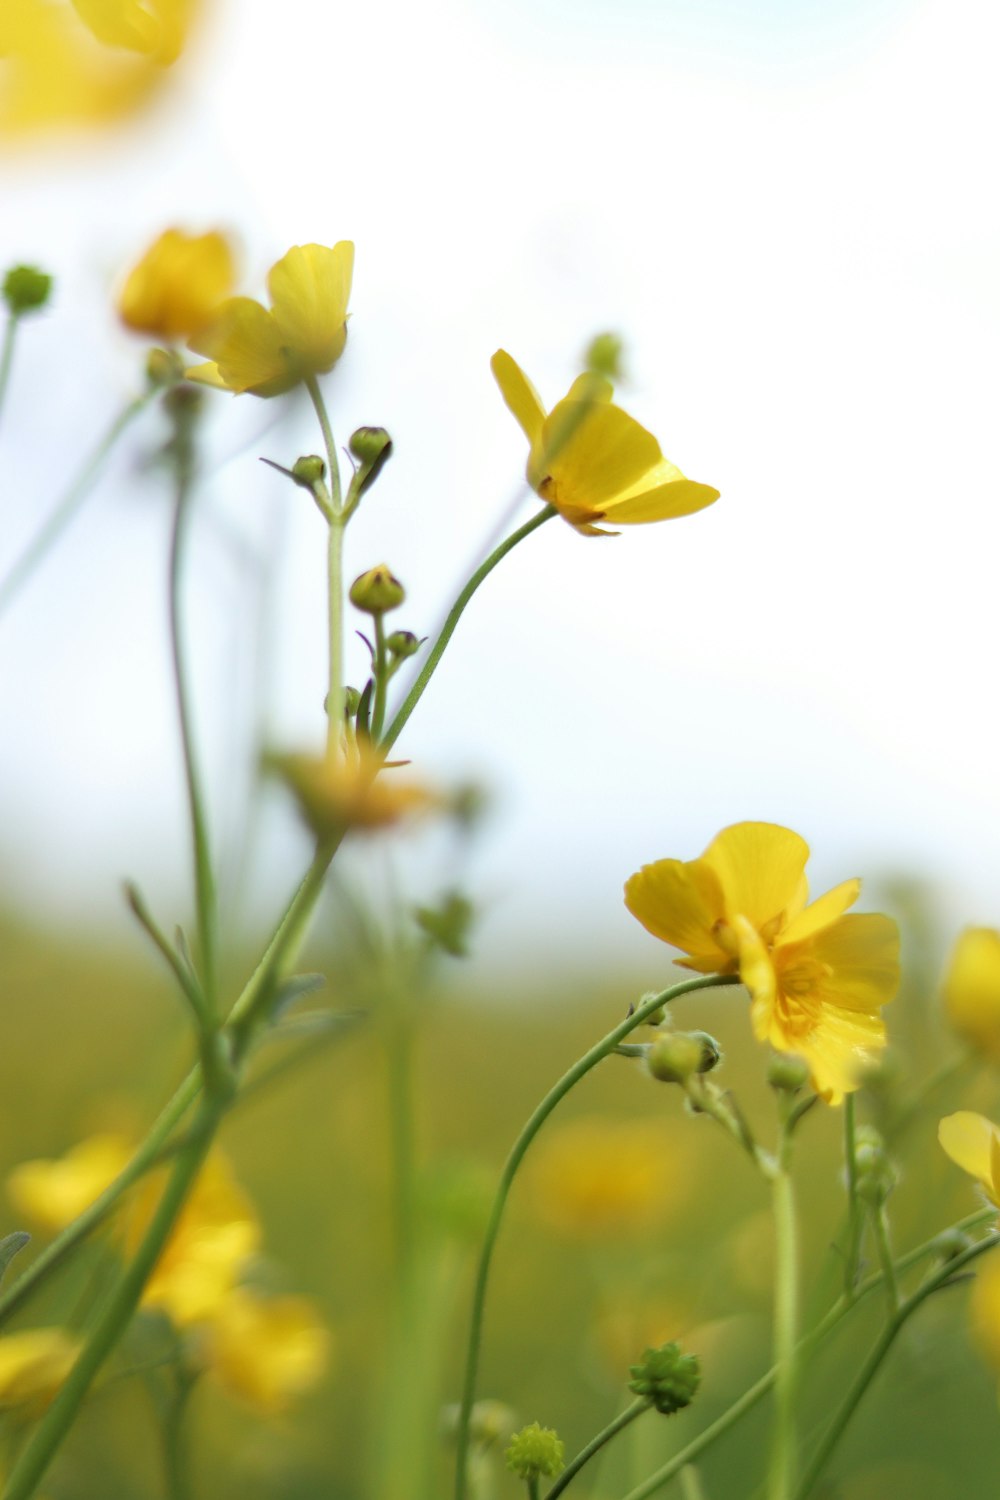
{"x":786,"y":1305}
{"x":619,"y":1423}
{"x":7,"y":355}
{"x":334,"y":575}
{"x":602,"y":1049}
{"x":68,"y":507}
{"x":855,"y":1218}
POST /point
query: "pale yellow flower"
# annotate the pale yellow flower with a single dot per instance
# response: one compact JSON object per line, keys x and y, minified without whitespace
{"x":353,"y":790}
{"x":85,"y":63}
{"x":52,"y":1193}
{"x":303,"y":334}
{"x":177,"y":286}
{"x":591,"y":460}
{"x":972,"y":989}
{"x":596,"y":1178}
{"x":973,"y":1143}
{"x":817,"y":977}
{"x":33,"y":1365}
{"x":984,"y":1309}
{"x":265,"y":1350}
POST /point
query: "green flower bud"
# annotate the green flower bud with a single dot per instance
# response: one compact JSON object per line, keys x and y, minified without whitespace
{"x":604,"y":356}
{"x":448,"y":925}
{"x":402,"y":643}
{"x":676,"y":1055}
{"x":489,"y":1421}
{"x":164,"y":367}
{"x":951,"y":1243}
{"x":377,"y":591}
{"x":876,"y":1175}
{"x":372,"y":447}
{"x":352,"y":702}
{"x":26,"y":289}
{"x":667,"y":1377}
{"x":536,"y":1451}
{"x":309,"y":471}
{"x":786,"y":1073}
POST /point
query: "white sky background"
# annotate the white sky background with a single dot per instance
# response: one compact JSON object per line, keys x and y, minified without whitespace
{"x":789,"y":212}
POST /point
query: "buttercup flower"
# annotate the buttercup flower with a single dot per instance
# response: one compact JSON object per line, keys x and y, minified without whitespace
{"x":591,"y":460}
{"x":51,"y":1194}
{"x":266,"y":1350}
{"x":597,"y":1178}
{"x":267,"y":352}
{"x":973,"y":1143}
{"x":177,"y":286}
{"x":817,"y":977}
{"x":972,"y":989}
{"x":351,"y":791}
{"x":85,"y":63}
{"x":33,"y":1365}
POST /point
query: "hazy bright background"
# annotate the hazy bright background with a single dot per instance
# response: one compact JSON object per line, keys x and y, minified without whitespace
{"x":786,"y":209}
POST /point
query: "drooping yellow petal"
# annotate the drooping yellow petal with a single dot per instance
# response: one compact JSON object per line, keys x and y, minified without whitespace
{"x":248,"y":348}
{"x":969,"y":1140}
{"x":178,"y":285}
{"x":760,"y":867}
{"x":589,"y":452}
{"x":523,"y":401}
{"x":310,"y":288}
{"x":681,"y":903}
{"x":821,"y":912}
{"x":972,"y":989}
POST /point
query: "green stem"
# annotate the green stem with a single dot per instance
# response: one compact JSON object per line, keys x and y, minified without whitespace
{"x":334,"y":575}
{"x":175,"y":1452}
{"x":7,"y":355}
{"x":66,"y":510}
{"x":691,"y":1486}
{"x":855,"y":1221}
{"x":533,"y":1490}
{"x":786,"y":1311}
{"x":429,"y":667}
{"x":602,"y":1049}
{"x":399,"y":1057}
{"x":572,"y":1469}
{"x":52,"y":1429}
{"x":868,"y":1370}
{"x":381,"y":680}
{"x":880,"y":1224}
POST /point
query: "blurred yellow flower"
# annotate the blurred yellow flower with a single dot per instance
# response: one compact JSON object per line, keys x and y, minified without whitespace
{"x":52,"y":1193}
{"x":596,"y":1178}
{"x":177,"y":286}
{"x":973,"y":1143}
{"x":33,"y":1365}
{"x":267,"y":352}
{"x":591,"y":460}
{"x":353,"y":790}
{"x":817,"y":978}
{"x":85,"y":63}
{"x":266,"y":1350}
{"x":972,"y":989}
{"x":984,"y":1309}
{"x":217,"y":1233}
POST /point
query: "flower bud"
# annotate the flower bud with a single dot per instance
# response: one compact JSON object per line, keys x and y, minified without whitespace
{"x":667,"y":1377}
{"x":786,"y":1073}
{"x":309,"y":471}
{"x":449,"y":924}
{"x":352,"y":702}
{"x":604,"y":356}
{"x":377,"y":591}
{"x":164,"y":367}
{"x":951,"y":1243}
{"x":536,"y":1451}
{"x":402,"y":643}
{"x":26,"y":289}
{"x":676,"y":1055}
{"x":372,"y":447}
{"x":876,"y":1175}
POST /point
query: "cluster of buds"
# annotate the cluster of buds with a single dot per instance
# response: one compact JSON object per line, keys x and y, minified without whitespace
{"x":535,"y":1453}
{"x":667,"y":1377}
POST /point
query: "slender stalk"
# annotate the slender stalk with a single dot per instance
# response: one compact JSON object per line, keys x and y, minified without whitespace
{"x":381,"y":679}
{"x":869,"y":1369}
{"x":52,"y":1429}
{"x":334,"y":576}
{"x":429,"y":667}
{"x":880,"y":1224}
{"x":175,"y":1448}
{"x":614,"y":1427}
{"x":399,"y":1058}
{"x":67,"y":508}
{"x":786,"y":1313}
{"x":855,"y":1219}
{"x":7,"y":354}
{"x":691,"y":1486}
{"x":602,"y":1049}
{"x":533,"y":1491}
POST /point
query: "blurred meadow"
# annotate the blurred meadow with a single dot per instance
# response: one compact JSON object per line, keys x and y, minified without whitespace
{"x":778,"y":209}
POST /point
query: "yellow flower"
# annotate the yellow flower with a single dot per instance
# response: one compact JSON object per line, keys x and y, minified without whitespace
{"x":353,"y":790}
{"x":984,"y":1309}
{"x":267,"y":352}
{"x":216,"y":1234}
{"x":87,"y":63}
{"x":817,"y":978}
{"x":597,"y":1178}
{"x":591,"y":460}
{"x":973,"y":1143}
{"x":178,"y":285}
{"x":33,"y":1365}
{"x":972,"y":989}
{"x":51,"y":1194}
{"x":266,"y":1350}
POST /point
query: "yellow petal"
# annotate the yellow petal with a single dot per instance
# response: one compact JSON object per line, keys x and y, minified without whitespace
{"x":590,"y":452}
{"x":156,"y":28}
{"x":680,"y":903}
{"x":838,"y":1050}
{"x":984,"y":1308}
{"x":969,"y":1140}
{"x":310,"y":288}
{"x":760,"y":868}
{"x":207,"y":374}
{"x":248,"y":347}
{"x":523,"y":401}
{"x":861,"y":952}
{"x":661,"y":501}
{"x":972,"y":988}
{"x":823,"y":911}
{"x":590,"y":387}
{"x":178,"y":285}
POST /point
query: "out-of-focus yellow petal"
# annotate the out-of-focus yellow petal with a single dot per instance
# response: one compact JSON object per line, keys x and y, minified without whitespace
{"x":247,"y":347}
{"x":969,"y":1140}
{"x":51,"y":1194}
{"x":821,"y":913}
{"x":984,"y":1308}
{"x":33,"y":1365}
{"x":756,"y":970}
{"x":680,"y":903}
{"x":596,"y":1178}
{"x":972,"y":988}
{"x":178,"y":285}
{"x":760,"y":867}
{"x":207,"y":374}
{"x":154,"y":27}
{"x":266,"y":1350}
{"x":523,"y":401}
{"x":310,"y":288}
